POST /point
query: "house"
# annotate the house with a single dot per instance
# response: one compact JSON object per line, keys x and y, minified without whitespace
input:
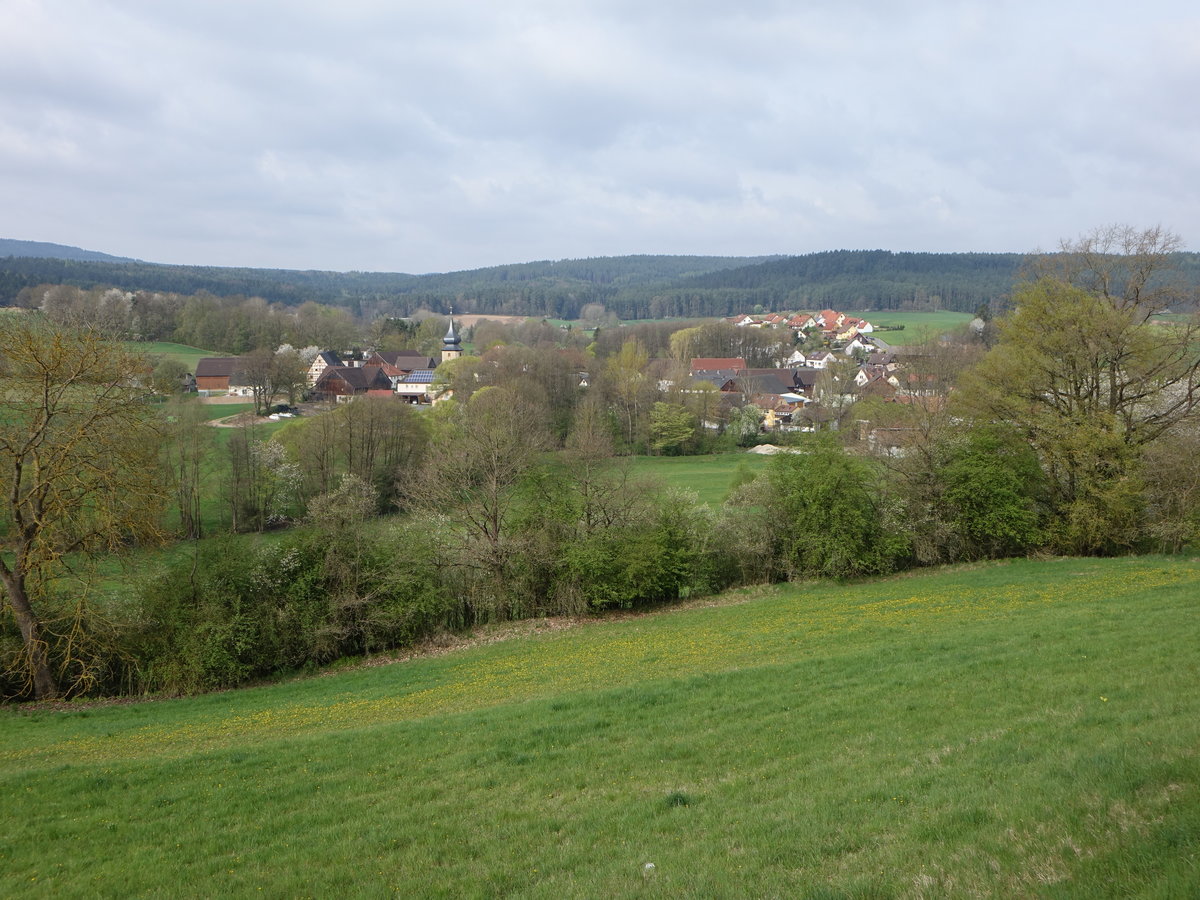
{"x":341,"y":383}
{"x":761,"y":382}
{"x":214,"y":372}
{"x":885,"y":358}
{"x":819,"y":359}
{"x":801,"y":322}
{"x":868,"y":375}
{"x":398,"y":363}
{"x":416,"y":386}
{"x":829,"y":319}
{"x":701,"y":364}
{"x":320,"y":363}
{"x":804,"y":382}
{"x":856,"y":343}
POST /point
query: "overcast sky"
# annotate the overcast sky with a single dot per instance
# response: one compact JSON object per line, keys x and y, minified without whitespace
{"x":434,"y":136}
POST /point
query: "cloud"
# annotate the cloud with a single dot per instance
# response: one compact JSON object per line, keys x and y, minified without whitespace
{"x":409,"y":136}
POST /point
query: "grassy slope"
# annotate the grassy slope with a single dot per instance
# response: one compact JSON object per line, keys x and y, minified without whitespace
{"x":1015,"y":730}
{"x":189,"y":356}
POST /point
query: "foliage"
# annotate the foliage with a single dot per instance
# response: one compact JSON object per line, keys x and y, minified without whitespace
{"x":1082,"y":372}
{"x":672,"y":428}
{"x":828,"y":514}
{"x":234,"y":611}
{"x":263,"y":485}
{"x":974,"y":495}
{"x":78,"y":473}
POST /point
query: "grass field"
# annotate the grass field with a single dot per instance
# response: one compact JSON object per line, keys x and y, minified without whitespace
{"x":710,"y":477}
{"x":1029,"y":729}
{"x":189,"y":356}
{"x":918,"y":326}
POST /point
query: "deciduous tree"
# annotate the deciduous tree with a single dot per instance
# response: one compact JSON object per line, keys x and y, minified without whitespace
{"x":78,"y":475}
{"x":1085,"y":374}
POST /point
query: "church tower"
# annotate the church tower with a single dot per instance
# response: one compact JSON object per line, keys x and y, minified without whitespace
{"x":451,"y":343}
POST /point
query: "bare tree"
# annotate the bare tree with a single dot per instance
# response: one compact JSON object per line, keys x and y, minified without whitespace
{"x":1131,"y":268}
{"x":472,"y":482}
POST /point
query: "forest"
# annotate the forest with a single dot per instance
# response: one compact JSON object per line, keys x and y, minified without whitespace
{"x":632,"y":287}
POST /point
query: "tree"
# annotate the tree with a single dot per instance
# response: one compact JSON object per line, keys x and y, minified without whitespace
{"x":972,"y":494}
{"x":630,"y":391}
{"x":829,"y":514}
{"x":263,"y":482}
{"x":188,"y":439}
{"x":671,"y":427}
{"x":258,"y":370}
{"x":1092,"y":382}
{"x":289,"y":373}
{"x":79,"y":477}
{"x":472,"y":483}
{"x":168,"y":377}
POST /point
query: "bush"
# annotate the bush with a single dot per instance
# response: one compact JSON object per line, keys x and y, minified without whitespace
{"x":829,"y":515}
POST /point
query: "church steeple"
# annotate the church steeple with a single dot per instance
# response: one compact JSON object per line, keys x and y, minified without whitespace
{"x":451,"y":343}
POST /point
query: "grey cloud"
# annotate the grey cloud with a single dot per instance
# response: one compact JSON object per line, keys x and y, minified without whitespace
{"x":410,"y":136}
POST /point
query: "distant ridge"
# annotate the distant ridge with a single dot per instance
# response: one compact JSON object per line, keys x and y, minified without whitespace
{"x":44,"y":250}
{"x":632,"y":287}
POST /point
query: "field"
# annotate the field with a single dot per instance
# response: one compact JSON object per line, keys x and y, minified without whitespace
{"x":1027,"y":729}
{"x":189,"y":356}
{"x":918,"y":326}
{"x":711,"y":477}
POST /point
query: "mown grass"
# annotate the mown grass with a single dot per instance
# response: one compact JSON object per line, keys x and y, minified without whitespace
{"x":1029,"y":729}
{"x":918,"y":326}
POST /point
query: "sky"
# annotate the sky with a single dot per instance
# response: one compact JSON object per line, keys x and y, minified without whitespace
{"x":384,"y":135}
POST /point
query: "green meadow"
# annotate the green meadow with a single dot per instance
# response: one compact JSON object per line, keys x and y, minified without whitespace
{"x":1021,"y":729}
{"x":189,"y":356}
{"x":711,"y":476}
{"x":917,"y":326}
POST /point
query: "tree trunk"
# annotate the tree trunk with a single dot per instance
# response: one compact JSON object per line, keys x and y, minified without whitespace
{"x":44,"y":686}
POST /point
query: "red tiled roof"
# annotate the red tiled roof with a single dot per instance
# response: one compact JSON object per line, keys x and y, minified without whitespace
{"x":717,"y":363}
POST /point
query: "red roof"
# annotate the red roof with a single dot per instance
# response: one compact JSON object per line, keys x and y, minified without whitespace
{"x":718,"y":364}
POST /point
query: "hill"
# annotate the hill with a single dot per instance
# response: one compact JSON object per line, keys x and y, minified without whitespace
{"x":1004,"y":730}
{"x":633,"y":287}
{"x":43,"y":250}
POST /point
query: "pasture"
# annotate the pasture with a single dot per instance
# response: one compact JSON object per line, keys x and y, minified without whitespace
{"x":189,"y":356}
{"x":1019,"y":729}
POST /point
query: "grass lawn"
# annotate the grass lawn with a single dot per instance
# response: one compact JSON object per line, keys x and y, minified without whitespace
{"x":1029,"y":729}
{"x":710,"y":477}
{"x":918,"y":326}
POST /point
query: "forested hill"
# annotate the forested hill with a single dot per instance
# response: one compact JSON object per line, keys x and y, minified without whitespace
{"x":633,"y":287}
{"x":550,"y":288}
{"x":873,"y":279}
{"x":41,"y":249}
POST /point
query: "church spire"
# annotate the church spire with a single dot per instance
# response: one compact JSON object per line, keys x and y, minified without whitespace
{"x":451,"y":343}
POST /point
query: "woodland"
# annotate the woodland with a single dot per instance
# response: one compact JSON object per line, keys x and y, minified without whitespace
{"x":631,"y":287}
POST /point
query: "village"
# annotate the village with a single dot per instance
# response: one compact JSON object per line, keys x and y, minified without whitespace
{"x":826,"y":361}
